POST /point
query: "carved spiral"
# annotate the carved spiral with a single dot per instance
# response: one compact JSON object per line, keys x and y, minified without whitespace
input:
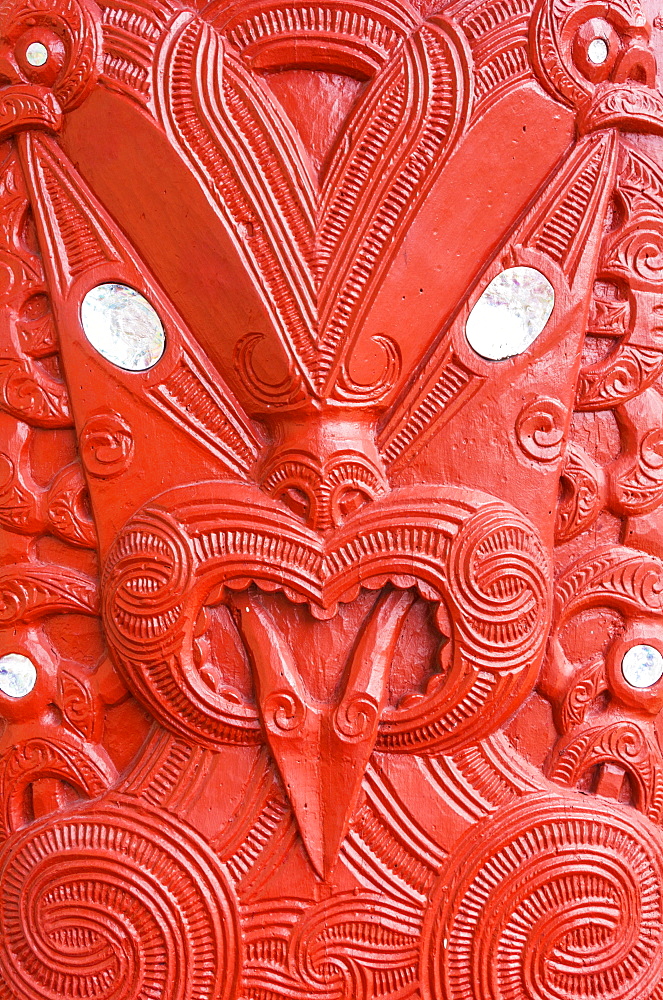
{"x":498,"y":582}
{"x":106,"y":445}
{"x":347,"y":388}
{"x":105,"y":904}
{"x":145,"y":579}
{"x":540,"y":429}
{"x":339,"y":943}
{"x":640,"y":252}
{"x":557,"y":897}
{"x":356,"y":717}
{"x":284,"y":712}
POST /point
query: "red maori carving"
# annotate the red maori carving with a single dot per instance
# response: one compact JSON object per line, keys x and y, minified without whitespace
{"x":40,"y":760}
{"x":626,"y":751}
{"x":315,"y":632}
{"x":159,"y":917}
{"x":61,"y":509}
{"x":106,"y":445}
{"x":536,"y":885}
{"x":31,"y":590}
{"x":32,"y":395}
{"x":616,"y":90}
{"x":583,"y":495}
{"x":447,"y":556}
{"x":540,"y":429}
{"x":40,"y":90}
{"x":319,"y":291}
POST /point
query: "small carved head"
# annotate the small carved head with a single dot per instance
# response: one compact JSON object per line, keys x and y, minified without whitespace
{"x":597,"y":57}
{"x":50,"y":58}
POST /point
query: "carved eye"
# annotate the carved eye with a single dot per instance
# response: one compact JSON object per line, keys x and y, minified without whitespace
{"x":598,"y":51}
{"x":40,"y":55}
{"x":595,"y":49}
{"x":642,"y":666}
{"x":510,"y":313}
{"x":18,"y":675}
{"x":122,"y":325}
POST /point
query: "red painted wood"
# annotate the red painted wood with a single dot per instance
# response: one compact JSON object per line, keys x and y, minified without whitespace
{"x":328,"y":611}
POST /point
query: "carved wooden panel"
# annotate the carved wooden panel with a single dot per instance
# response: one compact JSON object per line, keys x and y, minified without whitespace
{"x":331,"y":500}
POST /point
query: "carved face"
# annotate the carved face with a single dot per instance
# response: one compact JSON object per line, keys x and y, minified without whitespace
{"x":346,"y":321}
{"x":323,"y":440}
{"x":49,"y":60}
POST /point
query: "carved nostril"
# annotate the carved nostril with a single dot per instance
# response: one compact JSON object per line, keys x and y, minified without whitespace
{"x":636,"y":65}
{"x":9,"y":74}
{"x":297,"y":501}
{"x":350,"y":501}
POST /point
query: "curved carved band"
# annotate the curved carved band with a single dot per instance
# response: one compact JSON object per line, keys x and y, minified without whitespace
{"x":107,"y":904}
{"x":554,"y":897}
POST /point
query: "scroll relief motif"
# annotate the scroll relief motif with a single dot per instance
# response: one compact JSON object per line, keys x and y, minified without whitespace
{"x":331,"y":473}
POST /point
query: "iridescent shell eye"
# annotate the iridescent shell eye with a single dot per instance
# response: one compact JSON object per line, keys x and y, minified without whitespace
{"x":121,"y":324}
{"x":40,"y":54}
{"x":36,"y":54}
{"x":18,"y":675}
{"x":642,"y":666}
{"x":598,"y":51}
{"x":510,"y":313}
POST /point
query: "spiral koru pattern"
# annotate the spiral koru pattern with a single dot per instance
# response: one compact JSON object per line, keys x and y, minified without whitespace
{"x":499,"y":582}
{"x":640,"y":251}
{"x":145,"y":580}
{"x":554,"y":899}
{"x":111,"y":904}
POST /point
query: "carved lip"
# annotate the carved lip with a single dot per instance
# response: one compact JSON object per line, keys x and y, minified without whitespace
{"x":628,"y":106}
{"x":26,"y":107}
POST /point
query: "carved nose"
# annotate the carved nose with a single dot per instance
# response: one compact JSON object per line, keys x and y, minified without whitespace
{"x":298,"y":501}
{"x":636,"y":65}
{"x":9,"y":74}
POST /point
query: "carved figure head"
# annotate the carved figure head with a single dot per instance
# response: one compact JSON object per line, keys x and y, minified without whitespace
{"x":598,"y":58}
{"x":50,"y":57}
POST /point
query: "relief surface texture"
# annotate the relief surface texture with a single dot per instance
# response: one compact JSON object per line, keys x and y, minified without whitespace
{"x":331,"y":500}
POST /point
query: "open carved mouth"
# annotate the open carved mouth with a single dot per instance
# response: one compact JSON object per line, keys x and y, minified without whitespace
{"x":28,"y":107}
{"x":635,"y":107}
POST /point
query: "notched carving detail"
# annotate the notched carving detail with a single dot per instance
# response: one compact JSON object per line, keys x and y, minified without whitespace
{"x":43,"y":759}
{"x":29,"y":393}
{"x":289,"y":613}
{"x":614,"y":89}
{"x":34,"y":95}
{"x":179,"y":937}
{"x":616,"y":752}
{"x":29,"y":591}
{"x":582,"y":495}
{"x":193,"y":398}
